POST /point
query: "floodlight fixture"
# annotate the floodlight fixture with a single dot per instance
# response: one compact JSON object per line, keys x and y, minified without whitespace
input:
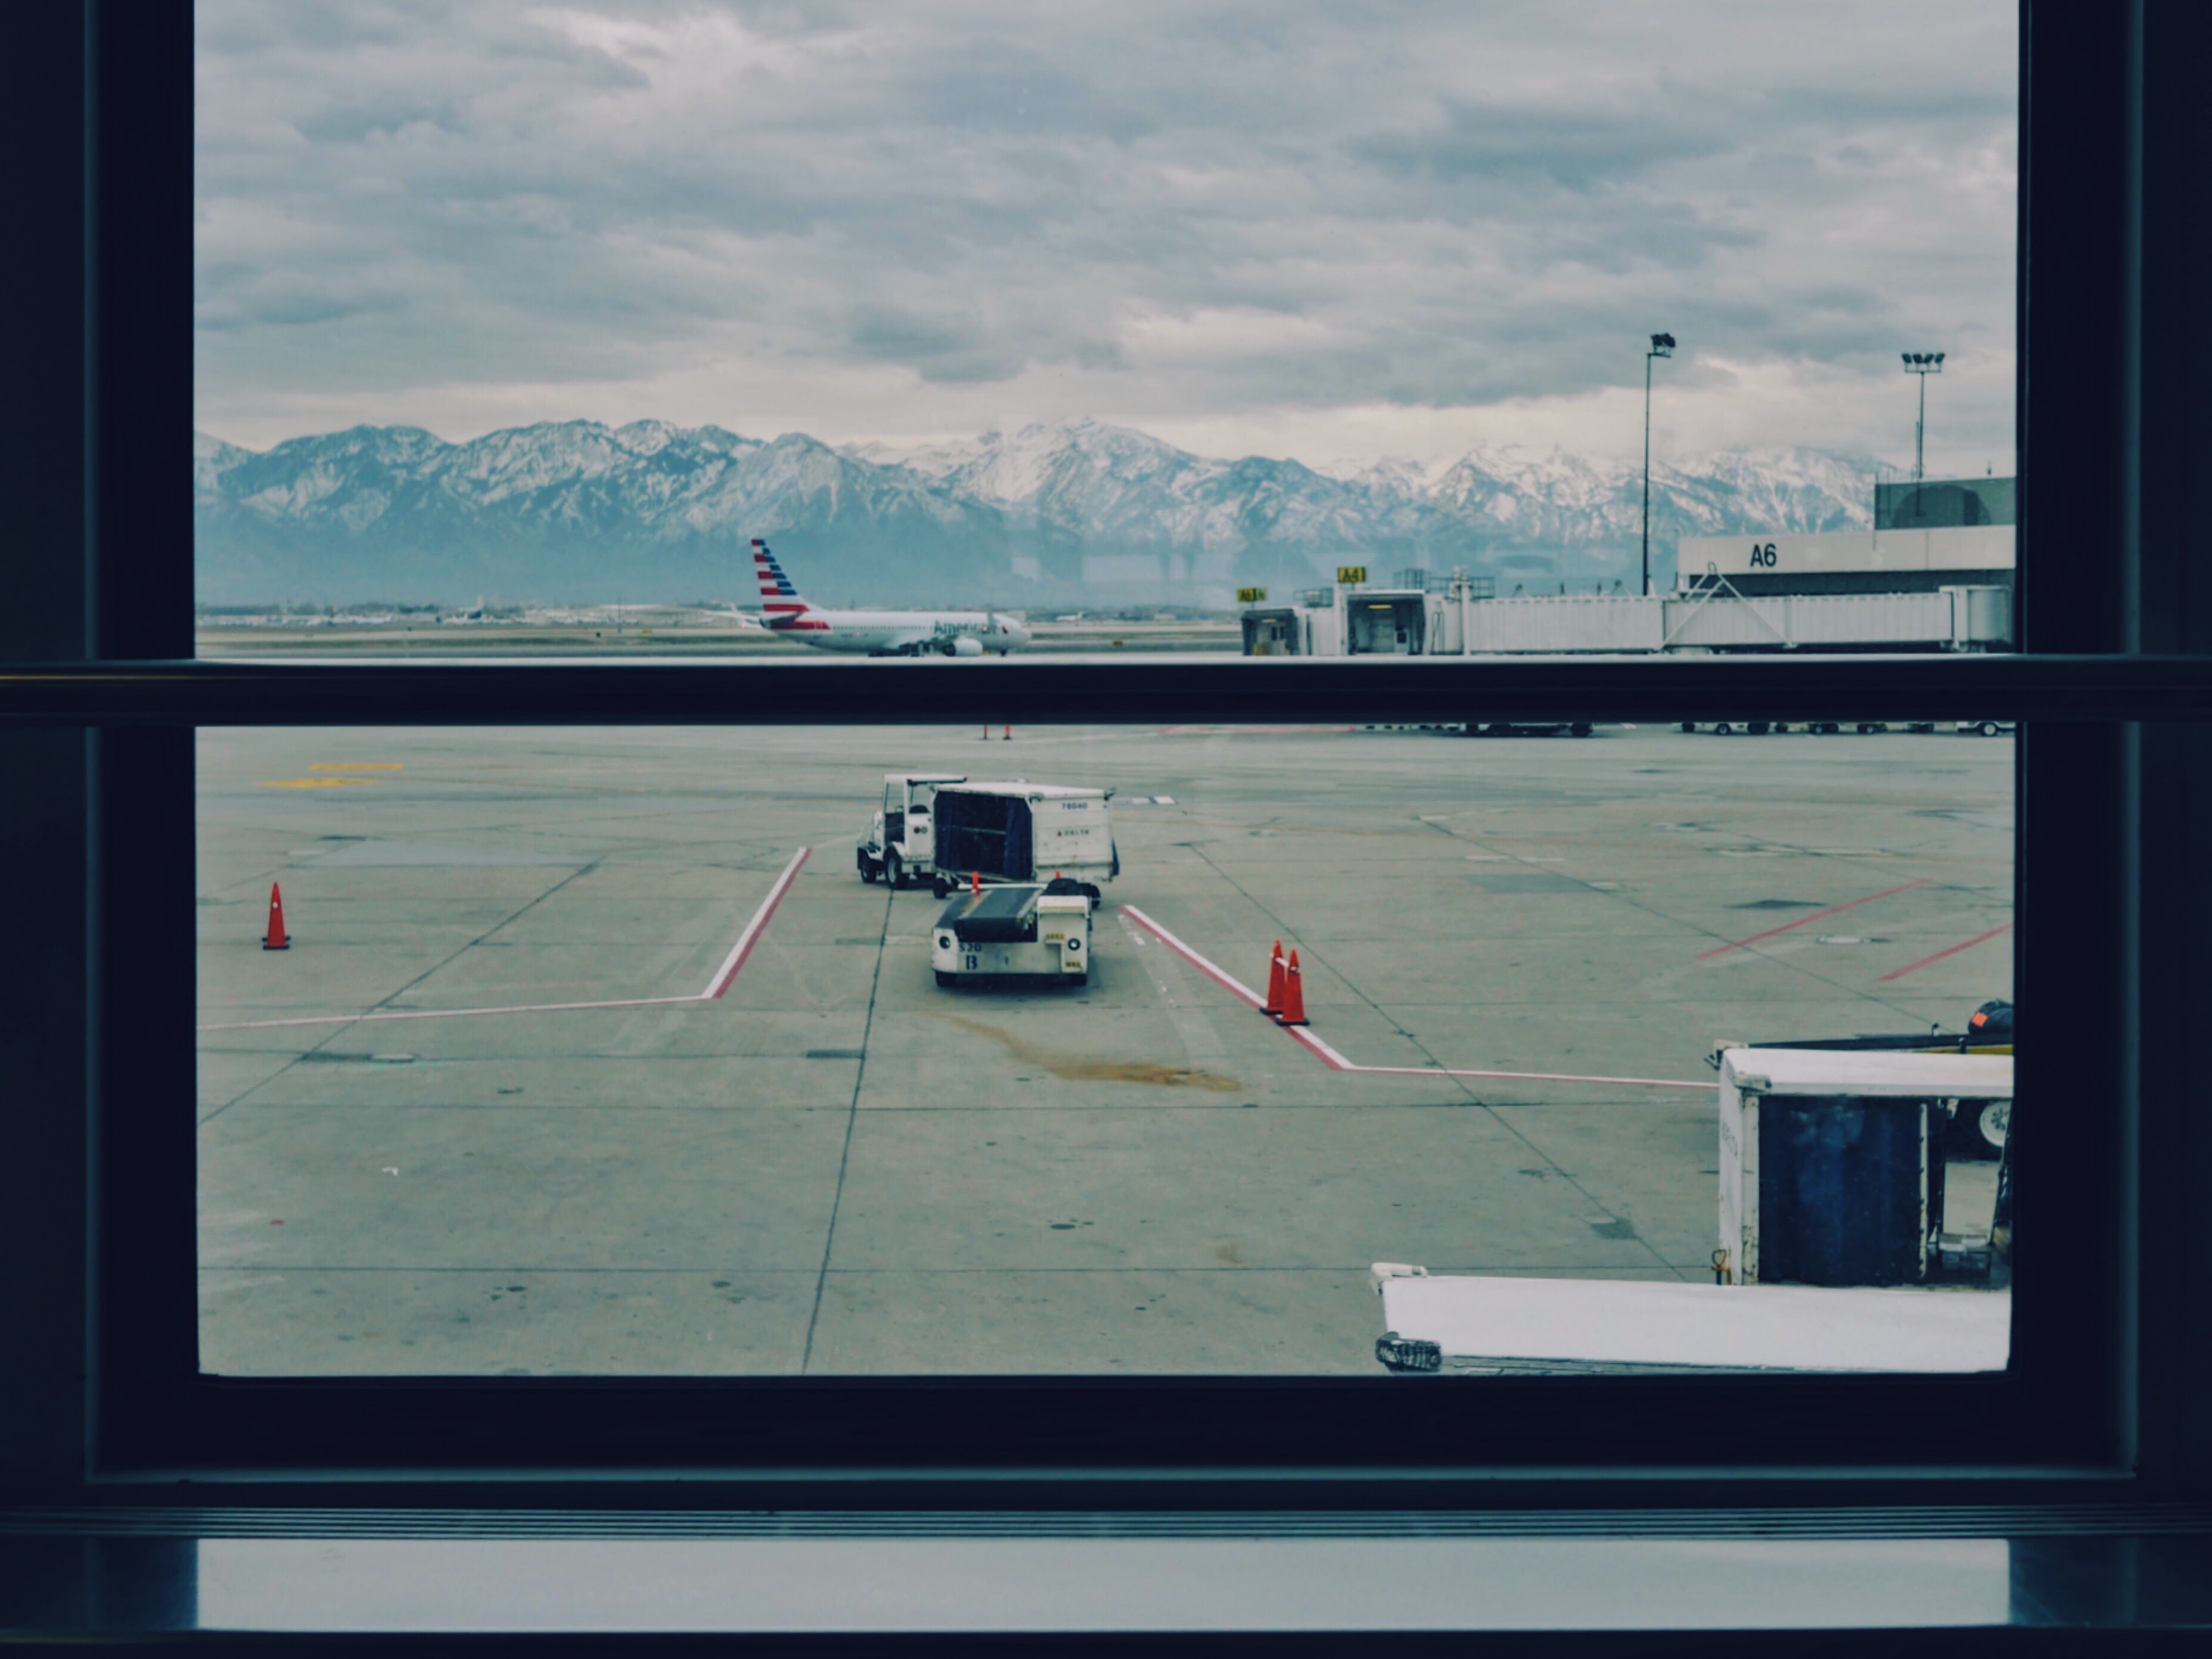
{"x":1922,"y":363}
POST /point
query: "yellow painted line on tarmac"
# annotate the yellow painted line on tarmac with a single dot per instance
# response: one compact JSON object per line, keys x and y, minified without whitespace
{"x":318,"y":783}
{"x":356,"y":766}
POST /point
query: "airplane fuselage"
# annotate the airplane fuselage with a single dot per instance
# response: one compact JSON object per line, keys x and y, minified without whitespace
{"x":877,"y":633}
{"x":900,"y":633}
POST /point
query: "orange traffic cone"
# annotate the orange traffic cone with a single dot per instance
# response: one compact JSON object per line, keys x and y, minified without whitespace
{"x":974,"y":881}
{"x":1294,"y":996}
{"x":275,"y":938}
{"x":1009,"y":734}
{"x":1273,"y":1005}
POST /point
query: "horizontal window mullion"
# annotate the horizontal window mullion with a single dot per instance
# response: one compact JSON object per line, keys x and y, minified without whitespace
{"x":1162,"y":1425}
{"x":1230,"y":688}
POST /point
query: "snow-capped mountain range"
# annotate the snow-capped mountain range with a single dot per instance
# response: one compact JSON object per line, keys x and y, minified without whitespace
{"x":1073,"y":512}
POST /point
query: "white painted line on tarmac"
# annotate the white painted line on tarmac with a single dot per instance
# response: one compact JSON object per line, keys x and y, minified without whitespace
{"x":441,"y":1013}
{"x":1335,"y":1061}
{"x":723,"y":976}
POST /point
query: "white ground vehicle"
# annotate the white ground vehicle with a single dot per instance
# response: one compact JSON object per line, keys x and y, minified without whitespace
{"x":1986,"y":728}
{"x":1018,"y":831}
{"x":1464,"y":1325}
{"x":1034,"y":929}
{"x":1480,"y":728}
{"x":1761,"y":728}
{"x":902,"y":840}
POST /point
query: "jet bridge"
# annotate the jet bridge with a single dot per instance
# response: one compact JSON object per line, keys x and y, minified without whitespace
{"x":1713,"y":617}
{"x":1272,"y":633}
{"x":1384,"y":621}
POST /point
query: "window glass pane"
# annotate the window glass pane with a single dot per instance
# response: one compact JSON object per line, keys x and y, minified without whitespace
{"x":617,"y":1051}
{"x":516,"y":323}
{"x":528,"y":332}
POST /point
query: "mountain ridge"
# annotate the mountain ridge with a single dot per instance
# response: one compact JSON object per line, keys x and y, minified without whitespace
{"x":1077,"y":511}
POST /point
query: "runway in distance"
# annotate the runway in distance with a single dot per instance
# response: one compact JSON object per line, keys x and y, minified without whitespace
{"x":878,"y":633}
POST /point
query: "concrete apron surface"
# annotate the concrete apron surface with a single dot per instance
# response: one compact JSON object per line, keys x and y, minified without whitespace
{"x":838,"y":1167}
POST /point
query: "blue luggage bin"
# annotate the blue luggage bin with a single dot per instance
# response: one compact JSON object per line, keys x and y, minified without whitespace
{"x":1841,"y":1185}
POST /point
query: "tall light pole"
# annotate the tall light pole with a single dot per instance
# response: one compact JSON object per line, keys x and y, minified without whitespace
{"x":1663,"y":345}
{"x":1923,"y":363}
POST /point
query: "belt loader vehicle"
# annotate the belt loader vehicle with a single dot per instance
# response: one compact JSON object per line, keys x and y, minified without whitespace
{"x":1033,"y":929}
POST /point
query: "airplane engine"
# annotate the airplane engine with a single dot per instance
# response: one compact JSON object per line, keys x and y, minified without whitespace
{"x":965,"y":645}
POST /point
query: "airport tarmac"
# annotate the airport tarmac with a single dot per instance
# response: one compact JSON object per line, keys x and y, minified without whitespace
{"x":837,"y":1167}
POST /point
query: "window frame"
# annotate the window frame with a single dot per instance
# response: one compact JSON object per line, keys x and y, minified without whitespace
{"x":2054,"y":1409}
{"x":2103,"y":1250}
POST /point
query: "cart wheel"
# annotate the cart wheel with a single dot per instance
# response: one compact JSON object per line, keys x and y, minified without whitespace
{"x":1579,"y":729}
{"x":940,"y":888}
{"x":894,"y":870}
{"x":1722,"y":728}
{"x":869,"y":870}
{"x":1977,"y":1134}
{"x":945,"y":981}
{"x":1987,"y":728}
{"x":1689,"y":726}
{"x":1992,"y":1124}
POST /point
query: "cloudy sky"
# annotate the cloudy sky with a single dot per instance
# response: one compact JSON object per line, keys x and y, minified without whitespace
{"x":1333,"y":231}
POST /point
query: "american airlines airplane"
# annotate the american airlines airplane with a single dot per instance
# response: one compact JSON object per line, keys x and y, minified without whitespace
{"x":878,"y":633}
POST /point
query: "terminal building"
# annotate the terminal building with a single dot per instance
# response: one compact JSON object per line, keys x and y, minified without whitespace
{"x":1933,"y":573}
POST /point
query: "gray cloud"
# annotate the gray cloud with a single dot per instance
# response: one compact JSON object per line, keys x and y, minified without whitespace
{"x":1499,"y":149}
{"x":897,"y":218}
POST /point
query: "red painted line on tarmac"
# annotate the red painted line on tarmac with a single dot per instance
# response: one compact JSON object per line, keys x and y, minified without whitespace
{"x":1218,"y":976}
{"x":1915,"y":967}
{"x":716,"y":986}
{"x":1329,"y":1057}
{"x":1738,"y":944}
{"x":744,"y":948}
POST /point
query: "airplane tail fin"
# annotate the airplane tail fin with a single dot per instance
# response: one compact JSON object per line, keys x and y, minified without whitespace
{"x":778,"y":597}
